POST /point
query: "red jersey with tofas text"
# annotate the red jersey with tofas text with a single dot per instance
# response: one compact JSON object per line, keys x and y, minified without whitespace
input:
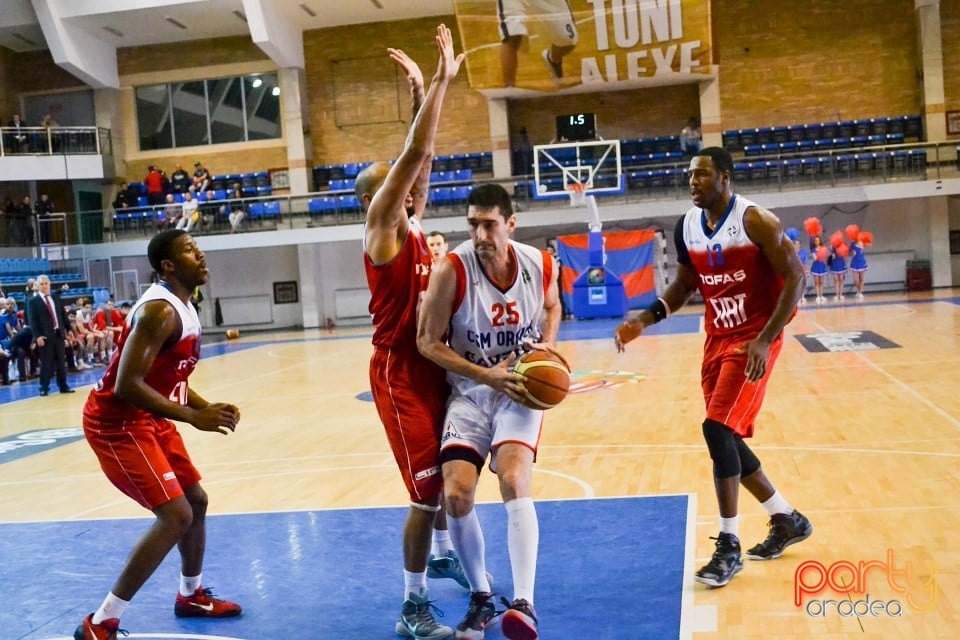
{"x":168,"y":374}
{"x":739,"y":287}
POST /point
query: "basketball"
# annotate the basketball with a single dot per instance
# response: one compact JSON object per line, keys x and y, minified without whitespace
{"x":545,"y":376}
{"x":232,"y":334}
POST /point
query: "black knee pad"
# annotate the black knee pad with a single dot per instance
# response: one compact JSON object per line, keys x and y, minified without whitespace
{"x":749,"y":463}
{"x":722,"y":444}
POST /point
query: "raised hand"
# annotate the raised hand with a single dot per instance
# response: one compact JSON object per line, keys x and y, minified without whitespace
{"x":449,"y":64}
{"x":410,"y":68}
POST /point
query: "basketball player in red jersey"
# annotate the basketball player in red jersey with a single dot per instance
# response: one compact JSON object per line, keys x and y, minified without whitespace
{"x":737,"y":256}
{"x":409,"y":391}
{"x":127,"y":421}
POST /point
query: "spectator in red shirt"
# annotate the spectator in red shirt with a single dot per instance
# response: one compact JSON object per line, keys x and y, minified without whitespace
{"x":110,"y":322}
{"x":154,"y":183}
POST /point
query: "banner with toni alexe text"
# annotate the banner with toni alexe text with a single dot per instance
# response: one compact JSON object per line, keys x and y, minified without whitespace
{"x":598,"y":45}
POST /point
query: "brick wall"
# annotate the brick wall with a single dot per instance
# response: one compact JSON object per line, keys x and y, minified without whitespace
{"x":788,"y":62}
{"x":464,"y":124}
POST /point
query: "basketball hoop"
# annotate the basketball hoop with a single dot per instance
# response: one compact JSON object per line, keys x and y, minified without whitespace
{"x":576,"y":191}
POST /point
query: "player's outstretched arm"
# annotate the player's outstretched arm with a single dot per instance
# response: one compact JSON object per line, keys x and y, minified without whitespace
{"x":386,"y":215}
{"x":677,"y":294}
{"x":419,"y":191}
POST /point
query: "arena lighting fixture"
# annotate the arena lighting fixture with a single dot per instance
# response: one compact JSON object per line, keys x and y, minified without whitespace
{"x":307,"y":10}
{"x":240,"y":14}
{"x":275,"y":91}
{"x":257,"y":82}
{"x":175,"y":22}
{"x":115,"y":32}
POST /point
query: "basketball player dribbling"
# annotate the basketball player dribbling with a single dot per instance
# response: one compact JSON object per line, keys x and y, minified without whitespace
{"x":737,"y":256}
{"x":483,"y":302}
{"x":408,"y":390}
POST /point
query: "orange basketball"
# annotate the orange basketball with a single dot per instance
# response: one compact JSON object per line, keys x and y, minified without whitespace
{"x":232,"y":334}
{"x":545,"y":376}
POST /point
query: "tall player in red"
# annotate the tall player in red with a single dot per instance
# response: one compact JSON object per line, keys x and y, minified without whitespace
{"x":737,"y":256}
{"x":408,"y":390}
{"x":127,"y":422}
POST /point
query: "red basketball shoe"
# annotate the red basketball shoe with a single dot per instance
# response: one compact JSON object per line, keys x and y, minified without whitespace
{"x":202,"y":604}
{"x":106,"y":630}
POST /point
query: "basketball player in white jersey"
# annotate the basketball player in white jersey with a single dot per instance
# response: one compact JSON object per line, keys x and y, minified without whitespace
{"x":488,"y":298}
{"x":737,"y":256}
{"x":512,"y":18}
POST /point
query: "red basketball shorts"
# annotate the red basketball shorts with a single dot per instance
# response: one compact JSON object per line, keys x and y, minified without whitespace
{"x":410,"y":394}
{"x":146,"y":460}
{"x":730,"y":398}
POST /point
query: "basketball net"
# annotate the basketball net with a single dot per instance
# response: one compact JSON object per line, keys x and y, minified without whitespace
{"x":576,"y":191}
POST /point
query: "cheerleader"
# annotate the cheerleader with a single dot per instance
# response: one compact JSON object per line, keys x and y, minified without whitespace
{"x":858,"y":263}
{"x":819,"y":267}
{"x":838,"y":268}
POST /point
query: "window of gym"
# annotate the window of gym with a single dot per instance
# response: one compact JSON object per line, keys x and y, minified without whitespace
{"x":216,"y":111}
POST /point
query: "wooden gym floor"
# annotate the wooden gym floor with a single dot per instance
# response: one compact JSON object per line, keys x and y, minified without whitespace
{"x":860,"y":431}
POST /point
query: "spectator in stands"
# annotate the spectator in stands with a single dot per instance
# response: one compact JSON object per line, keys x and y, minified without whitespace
{"x":17,"y":340}
{"x":172,"y":212}
{"x":236,"y":212}
{"x":191,"y":213}
{"x":122,"y":200}
{"x":180,"y":180}
{"x":23,"y":223}
{"x":154,"y":182}
{"x":89,"y":343}
{"x":691,"y":140}
{"x":85,"y":315}
{"x":18,"y":139}
{"x":43,"y":209}
{"x":50,"y":137}
{"x":8,"y":206}
{"x":522,"y":154}
{"x":437,"y":245}
{"x":201,"y":177}
{"x":109,"y":321}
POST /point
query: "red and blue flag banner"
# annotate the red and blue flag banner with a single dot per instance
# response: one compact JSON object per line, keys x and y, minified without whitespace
{"x":629,"y":255}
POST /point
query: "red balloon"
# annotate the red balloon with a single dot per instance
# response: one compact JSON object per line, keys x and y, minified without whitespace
{"x":853,"y":232}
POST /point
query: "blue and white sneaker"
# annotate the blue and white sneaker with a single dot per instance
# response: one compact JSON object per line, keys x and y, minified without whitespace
{"x":417,"y":621}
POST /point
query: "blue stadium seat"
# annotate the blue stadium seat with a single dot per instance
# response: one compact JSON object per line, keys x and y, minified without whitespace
{"x":463,"y":175}
{"x":264,"y":190}
{"x":348,"y":203}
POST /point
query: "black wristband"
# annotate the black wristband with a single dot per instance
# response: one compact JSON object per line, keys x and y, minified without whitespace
{"x":659,"y":310}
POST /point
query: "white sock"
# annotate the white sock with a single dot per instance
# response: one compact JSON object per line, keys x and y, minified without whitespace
{"x":523,"y":538}
{"x":468,"y":540}
{"x":189,"y":584}
{"x":441,"y":542}
{"x":414,"y":584}
{"x":776,"y":504}
{"x":112,"y":607}
{"x":730,"y":525}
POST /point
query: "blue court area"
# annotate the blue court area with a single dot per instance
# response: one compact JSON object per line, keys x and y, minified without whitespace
{"x":609,"y":568}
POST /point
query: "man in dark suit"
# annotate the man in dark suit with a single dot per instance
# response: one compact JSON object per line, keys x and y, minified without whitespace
{"x":49,"y":324}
